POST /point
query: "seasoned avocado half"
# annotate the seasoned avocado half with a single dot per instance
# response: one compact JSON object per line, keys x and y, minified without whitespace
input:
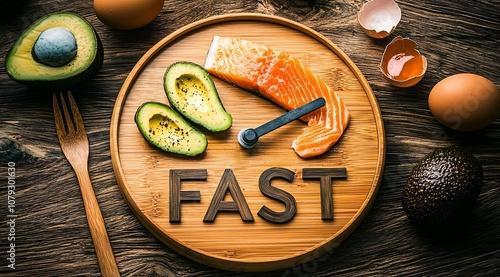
{"x":443,"y":188}
{"x":57,"y":51}
{"x":164,"y":128}
{"x":192,"y":92}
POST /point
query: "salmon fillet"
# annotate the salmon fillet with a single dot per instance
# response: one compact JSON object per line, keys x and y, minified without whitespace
{"x":285,"y":81}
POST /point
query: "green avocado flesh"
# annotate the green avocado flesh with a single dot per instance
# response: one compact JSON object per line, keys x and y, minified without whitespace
{"x":443,"y":188}
{"x":192,"y":92}
{"x":164,"y":128}
{"x":23,"y":67}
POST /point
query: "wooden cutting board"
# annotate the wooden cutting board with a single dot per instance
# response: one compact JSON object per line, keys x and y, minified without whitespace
{"x":228,"y":242}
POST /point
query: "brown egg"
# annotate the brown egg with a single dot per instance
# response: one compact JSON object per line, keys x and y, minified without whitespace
{"x":127,"y":14}
{"x":465,"y":102}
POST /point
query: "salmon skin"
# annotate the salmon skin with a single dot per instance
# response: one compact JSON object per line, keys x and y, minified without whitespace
{"x":285,"y":81}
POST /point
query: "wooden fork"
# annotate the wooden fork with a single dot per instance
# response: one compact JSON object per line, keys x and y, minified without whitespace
{"x":75,"y":146}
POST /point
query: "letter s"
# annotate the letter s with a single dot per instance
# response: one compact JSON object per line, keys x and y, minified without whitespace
{"x":277,"y":194}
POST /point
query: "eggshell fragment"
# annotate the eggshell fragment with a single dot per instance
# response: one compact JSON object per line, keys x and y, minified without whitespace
{"x":127,"y":14}
{"x":379,"y":18}
{"x":402,"y":64}
{"x":465,"y":102}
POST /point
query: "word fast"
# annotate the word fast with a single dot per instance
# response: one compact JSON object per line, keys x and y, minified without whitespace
{"x":228,"y":183}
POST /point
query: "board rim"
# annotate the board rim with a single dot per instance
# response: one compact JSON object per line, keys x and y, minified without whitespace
{"x":230,"y":263}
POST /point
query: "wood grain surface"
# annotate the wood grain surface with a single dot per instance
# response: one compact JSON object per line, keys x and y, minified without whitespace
{"x":51,"y":231}
{"x":230,"y":242}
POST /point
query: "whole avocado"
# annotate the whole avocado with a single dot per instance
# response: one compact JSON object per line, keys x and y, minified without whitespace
{"x":443,"y":188}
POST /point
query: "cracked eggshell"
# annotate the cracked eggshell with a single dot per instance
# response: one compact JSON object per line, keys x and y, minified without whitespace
{"x":379,"y":18}
{"x":402,"y":64}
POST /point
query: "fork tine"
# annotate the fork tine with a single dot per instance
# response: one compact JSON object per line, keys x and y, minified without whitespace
{"x":67,"y":116}
{"x":77,"y":117}
{"x":58,"y":116}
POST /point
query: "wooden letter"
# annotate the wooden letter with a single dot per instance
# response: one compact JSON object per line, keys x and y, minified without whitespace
{"x":277,"y":194}
{"x":229,"y":183}
{"x":325,"y":175}
{"x":176,"y":195}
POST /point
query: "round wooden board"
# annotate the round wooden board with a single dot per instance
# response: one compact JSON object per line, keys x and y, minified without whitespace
{"x":229,"y":243}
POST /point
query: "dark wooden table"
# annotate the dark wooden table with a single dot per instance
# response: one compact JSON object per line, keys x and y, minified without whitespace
{"x":51,"y":233}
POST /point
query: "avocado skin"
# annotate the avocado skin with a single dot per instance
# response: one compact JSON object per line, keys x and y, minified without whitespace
{"x":443,"y":188}
{"x":70,"y":81}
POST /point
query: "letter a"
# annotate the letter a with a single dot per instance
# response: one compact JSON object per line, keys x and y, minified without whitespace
{"x":229,"y":183}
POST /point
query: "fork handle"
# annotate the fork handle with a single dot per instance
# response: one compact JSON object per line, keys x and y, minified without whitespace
{"x":97,"y":227}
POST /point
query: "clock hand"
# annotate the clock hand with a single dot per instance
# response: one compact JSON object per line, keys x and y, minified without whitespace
{"x":248,"y":137}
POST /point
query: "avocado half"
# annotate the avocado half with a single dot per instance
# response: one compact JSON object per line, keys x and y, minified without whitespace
{"x":164,"y":128}
{"x":192,"y":92}
{"x":23,"y":67}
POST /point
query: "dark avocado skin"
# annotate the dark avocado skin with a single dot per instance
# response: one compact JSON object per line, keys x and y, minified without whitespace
{"x":443,"y":188}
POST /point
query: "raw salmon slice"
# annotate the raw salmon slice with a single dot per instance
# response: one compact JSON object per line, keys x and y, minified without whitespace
{"x":284,"y":80}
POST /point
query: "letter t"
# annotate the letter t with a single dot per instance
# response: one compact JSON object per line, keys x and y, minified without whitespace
{"x":325,"y":175}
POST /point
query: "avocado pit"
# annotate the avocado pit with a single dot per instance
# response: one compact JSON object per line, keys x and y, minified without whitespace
{"x":55,"y":47}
